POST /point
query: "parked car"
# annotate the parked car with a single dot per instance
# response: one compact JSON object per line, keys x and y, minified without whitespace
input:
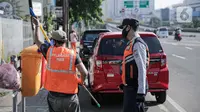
{"x":105,"y":64}
{"x":87,"y":41}
{"x":163,"y":32}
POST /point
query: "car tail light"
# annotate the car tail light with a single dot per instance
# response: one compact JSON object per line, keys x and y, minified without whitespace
{"x":163,"y":61}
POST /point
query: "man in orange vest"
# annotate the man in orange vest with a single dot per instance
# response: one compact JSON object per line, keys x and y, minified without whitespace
{"x":134,"y":66}
{"x":61,"y":79}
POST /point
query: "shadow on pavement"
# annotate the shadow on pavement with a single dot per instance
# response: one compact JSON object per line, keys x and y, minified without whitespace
{"x":110,"y":103}
{"x":151,"y":103}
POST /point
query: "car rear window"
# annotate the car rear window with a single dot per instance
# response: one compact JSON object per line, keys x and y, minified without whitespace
{"x":153,"y":44}
{"x":91,"y":36}
{"x":163,"y":29}
{"x":112,"y":46}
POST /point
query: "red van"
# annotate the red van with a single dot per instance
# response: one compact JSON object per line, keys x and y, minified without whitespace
{"x":105,"y":65}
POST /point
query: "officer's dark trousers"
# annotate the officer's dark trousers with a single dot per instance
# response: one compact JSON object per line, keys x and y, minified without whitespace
{"x":129,"y":104}
{"x":63,"y":103}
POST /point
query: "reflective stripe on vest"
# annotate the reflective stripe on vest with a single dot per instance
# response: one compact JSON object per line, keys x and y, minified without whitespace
{"x":128,"y":57}
{"x":60,"y":71}
{"x":129,"y":63}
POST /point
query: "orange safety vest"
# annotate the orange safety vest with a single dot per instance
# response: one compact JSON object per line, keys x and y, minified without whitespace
{"x":61,"y":71}
{"x":129,"y":67}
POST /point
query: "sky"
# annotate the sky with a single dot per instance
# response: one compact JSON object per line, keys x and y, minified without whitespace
{"x":165,"y":3}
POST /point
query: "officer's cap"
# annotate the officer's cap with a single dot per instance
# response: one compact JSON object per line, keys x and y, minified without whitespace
{"x":59,"y":35}
{"x":129,"y":21}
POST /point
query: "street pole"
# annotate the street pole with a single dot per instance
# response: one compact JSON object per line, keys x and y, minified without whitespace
{"x":64,"y":12}
{"x":66,"y":17}
{"x":31,"y":6}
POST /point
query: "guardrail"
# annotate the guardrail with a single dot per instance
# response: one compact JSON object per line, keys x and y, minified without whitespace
{"x":184,"y":34}
{"x":141,"y":27}
{"x":192,"y":30}
{"x":114,"y":27}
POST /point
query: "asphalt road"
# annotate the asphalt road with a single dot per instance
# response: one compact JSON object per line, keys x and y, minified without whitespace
{"x":183,"y":94}
{"x":184,"y":62}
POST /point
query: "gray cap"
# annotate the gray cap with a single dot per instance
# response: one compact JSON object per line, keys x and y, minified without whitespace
{"x":59,"y":35}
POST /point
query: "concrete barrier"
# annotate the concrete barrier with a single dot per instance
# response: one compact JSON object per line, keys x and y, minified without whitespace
{"x":14,"y":36}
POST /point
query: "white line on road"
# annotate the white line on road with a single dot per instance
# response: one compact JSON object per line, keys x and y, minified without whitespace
{"x":188,"y":48}
{"x":161,"y":106}
{"x":176,"y":105}
{"x":181,"y":44}
{"x":174,"y":44}
{"x":37,"y":106}
{"x":181,"y":57}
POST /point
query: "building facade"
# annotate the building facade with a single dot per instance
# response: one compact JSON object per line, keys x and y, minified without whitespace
{"x":114,"y":10}
{"x":194,"y":4}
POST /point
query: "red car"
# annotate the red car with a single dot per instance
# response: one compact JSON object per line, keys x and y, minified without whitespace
{"x":105,"y":65}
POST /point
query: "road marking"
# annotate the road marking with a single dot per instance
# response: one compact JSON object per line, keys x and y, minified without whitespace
{"x":161,"y":106}
{"x":174,"y":44}
{"x":42,"y":110}
{"x":178,"y":56}
{"x":188,"y":48}
{"x":37,"y":106}
{"x":176,"y":105}
{"x":182,"y":44}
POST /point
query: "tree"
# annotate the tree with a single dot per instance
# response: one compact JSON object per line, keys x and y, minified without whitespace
{"x":165,"y":23}
{"x":196,"y":22}
{"x":86,"y":10}
{"x":155,"y":22}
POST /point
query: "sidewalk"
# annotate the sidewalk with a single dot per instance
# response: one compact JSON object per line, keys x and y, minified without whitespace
{"x":37,"y":103}
{"x":6,"y":100}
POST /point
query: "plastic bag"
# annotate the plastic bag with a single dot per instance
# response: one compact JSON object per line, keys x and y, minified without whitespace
{"x":9,"y":77}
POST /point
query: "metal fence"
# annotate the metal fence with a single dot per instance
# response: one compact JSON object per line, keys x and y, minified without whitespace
{"x":27,"y":34}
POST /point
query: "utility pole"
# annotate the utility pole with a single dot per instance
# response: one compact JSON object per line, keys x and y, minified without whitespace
{"x":66,"y":17}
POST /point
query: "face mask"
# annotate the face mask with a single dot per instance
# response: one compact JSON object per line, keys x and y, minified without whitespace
{"x":124,"y":32}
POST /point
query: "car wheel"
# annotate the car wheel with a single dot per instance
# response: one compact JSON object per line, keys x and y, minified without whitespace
{"x":161,"y":97}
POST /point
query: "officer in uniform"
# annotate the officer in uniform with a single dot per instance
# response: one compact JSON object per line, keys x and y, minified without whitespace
{"x":61,"y":79}
{"x":135,"y":61}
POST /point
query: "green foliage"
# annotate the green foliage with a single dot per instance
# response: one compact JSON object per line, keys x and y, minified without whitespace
{"x":165,"y":23}
{"x":188,"y":25}
{"x":196,"y":22}
{"x":87,"y":10}
{"x":50,"y":22}
{"x":4,"y":0}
